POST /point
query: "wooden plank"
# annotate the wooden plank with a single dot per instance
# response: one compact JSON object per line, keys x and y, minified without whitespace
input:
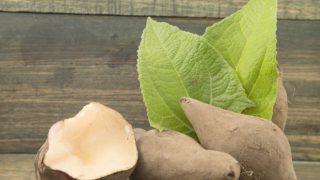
{"x":52,"y":65}
{"x":287,"y":9}
{"x":17,"y":167}
{"x":20,"y":167}
{"x":307,"y":170}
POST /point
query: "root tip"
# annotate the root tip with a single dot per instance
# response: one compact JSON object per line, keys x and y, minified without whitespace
{"x":185,"y":100}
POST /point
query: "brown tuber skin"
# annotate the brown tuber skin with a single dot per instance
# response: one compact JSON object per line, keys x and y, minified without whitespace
{"x":173,"y":155}
{"x":97,"y":143}
{"x":138,"y":133}
{"x":280,"y":109}
{"x":260,"y":146}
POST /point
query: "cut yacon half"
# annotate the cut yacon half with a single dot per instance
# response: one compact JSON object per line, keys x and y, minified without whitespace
{"x":96,"y":143}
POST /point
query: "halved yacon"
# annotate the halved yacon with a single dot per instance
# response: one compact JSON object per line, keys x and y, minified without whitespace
{"x":97,"y":143}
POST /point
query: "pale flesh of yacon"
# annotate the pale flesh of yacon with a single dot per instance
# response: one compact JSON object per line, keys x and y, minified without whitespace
{"x":95,"y":143}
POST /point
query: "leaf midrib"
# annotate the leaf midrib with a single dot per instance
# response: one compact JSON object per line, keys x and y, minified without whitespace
{"x":180,"y":80}
{"x":236,"y":66}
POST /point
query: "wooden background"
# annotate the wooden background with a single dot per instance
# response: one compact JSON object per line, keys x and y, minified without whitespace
{"x":53,"y":64}
{"x":287,"y":9}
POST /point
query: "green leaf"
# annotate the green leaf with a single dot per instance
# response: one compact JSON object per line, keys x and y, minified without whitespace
{"x":247,"y":40}
{"x":173,"y":63}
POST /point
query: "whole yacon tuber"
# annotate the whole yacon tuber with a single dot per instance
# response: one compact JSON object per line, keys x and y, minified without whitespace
{"x":171,"y":155}
{"x":280,"y":109}
{"x":260,"y":146}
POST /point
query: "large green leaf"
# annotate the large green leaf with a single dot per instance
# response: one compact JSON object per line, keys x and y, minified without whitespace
{"x":247,"y":40}
{"x":173,"y":63}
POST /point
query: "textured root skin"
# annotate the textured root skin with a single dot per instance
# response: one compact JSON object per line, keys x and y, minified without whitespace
{"x":138,"y":133}
{"x":44,"y":172}
{"x":173,"y":155}
{"x":280,"y":109}
{"x":260,"y":146}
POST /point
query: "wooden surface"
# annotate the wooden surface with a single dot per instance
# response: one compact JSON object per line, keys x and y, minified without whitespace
{"x":20,"y":167}
{"x":52,"y":65}
{"x":287,"y":9}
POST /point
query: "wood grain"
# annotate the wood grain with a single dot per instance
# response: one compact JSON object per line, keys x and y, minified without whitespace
{"x":287,"y":9}
{"x":20,"y":167}
{"x":17,"y":167}
{"x":52,"y":65}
